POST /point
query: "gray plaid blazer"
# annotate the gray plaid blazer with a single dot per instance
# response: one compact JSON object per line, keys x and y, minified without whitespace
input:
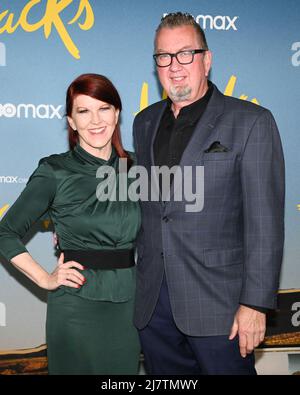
{"x":229,"y":253}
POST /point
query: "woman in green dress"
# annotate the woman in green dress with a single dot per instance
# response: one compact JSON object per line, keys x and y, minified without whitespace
{"x":89,"y":327}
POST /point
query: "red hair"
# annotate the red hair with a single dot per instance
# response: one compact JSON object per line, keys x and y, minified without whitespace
{"x":101,"y":88}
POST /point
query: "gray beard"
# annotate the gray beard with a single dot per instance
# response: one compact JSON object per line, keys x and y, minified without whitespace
{"x":180,"y":94}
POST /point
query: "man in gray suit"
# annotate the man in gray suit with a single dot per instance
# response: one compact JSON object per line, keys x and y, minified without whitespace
{"x":206,"y":279}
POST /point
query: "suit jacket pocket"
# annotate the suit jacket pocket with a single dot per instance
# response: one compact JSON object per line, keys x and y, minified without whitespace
{"x":219,"y":155}
{"x":227,"y":257}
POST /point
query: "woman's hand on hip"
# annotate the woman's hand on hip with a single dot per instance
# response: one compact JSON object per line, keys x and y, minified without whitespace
{"x":66,"y":274}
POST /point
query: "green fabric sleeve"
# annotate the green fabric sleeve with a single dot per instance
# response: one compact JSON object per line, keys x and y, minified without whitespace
{"x":33,"y":202}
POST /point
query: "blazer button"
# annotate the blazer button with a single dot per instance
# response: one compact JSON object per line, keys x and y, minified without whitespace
{"x":162,"y":254}
{"x":166,"y":219}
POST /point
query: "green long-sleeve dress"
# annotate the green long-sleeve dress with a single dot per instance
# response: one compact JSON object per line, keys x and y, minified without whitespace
{"x":89,"y":330}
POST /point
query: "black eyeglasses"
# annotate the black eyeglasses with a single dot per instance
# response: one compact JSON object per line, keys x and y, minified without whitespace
{"x":183,"y":57}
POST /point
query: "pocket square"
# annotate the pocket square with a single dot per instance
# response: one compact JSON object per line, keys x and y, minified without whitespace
{"x":216,"y":146}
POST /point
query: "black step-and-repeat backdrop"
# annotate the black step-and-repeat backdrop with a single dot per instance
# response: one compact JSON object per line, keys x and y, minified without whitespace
{"x":45,"y":44}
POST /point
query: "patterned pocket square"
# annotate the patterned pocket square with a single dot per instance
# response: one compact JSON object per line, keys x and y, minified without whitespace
{"x":216,"y":146}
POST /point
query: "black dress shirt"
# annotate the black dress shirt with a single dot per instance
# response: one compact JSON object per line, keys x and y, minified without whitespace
{"x":174,"y":134}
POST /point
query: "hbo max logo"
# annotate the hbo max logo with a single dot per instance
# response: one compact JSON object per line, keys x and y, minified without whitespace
{"x":12,"y":180}
{"x":44,"y":111}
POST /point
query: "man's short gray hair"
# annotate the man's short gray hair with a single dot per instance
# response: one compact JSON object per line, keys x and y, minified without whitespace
{"x":178,"y":19}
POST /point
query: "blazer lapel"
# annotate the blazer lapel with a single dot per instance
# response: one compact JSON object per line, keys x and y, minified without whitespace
{"x":195,"y":147}
{"x":155,"y":125}
{"x":151,"y":129}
